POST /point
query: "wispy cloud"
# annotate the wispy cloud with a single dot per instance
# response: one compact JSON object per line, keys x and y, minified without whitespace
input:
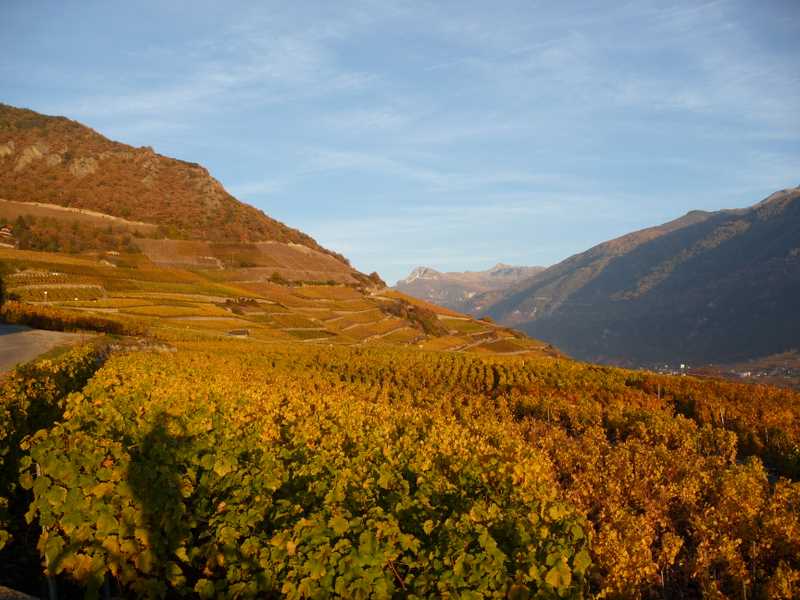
{"x":251,"y":63}
{"x":442,"y":132}
{"x":429,"y":234}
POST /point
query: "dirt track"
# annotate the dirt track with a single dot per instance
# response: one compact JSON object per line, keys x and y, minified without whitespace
{"x":20,"y":344}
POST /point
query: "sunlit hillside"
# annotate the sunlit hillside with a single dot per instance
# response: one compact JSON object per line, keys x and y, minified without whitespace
{"x":139,"y":296}
{"x":55,"y":160}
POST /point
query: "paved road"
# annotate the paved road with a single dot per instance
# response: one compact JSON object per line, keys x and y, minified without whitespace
{"x":9,"y":594}
{"x":20,"y":344}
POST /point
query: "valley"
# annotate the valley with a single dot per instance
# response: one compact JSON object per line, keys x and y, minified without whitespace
{"x":709,"y":287}
{"x":460,"y":291}
{"x":236,"y":411}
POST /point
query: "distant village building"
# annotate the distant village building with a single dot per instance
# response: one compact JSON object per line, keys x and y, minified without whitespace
{"x":7,"y":237}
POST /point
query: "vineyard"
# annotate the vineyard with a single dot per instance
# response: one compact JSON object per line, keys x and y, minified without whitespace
{"x":212,"y":469}
{"x":174,"y":303}
{"x":246,"y":415}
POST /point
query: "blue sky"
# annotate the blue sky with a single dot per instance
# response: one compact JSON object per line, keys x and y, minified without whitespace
{"x":454,"y":135}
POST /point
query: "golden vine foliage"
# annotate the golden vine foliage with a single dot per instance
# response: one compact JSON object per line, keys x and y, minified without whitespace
{"x":235,"y":469}
{"x":48,"y":317}
{"x":32,"y":398}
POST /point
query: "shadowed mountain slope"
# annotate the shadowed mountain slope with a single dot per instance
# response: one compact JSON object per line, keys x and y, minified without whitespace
{"x":708,"y":286}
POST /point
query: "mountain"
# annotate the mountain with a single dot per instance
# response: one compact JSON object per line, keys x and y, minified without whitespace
{"x":457,"y":290}
{"x":76,"y":190}
{"x":61,"y":162}
{"x":120,"y":238}
{"x":707,"y":287}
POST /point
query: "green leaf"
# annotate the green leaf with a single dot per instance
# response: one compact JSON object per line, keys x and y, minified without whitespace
{"x":577,"y":532}
{"x":104,"y":474}
{"x":144,"y":561}
{"x":26,"y":481}
{"x":70,"y":521}
{"x":223,"y":466}
{"x":102,"y":489}
{"x":107,"y":523}
{"x":40,"y":485}
{"x":205,"y":588}
{"x":339,"y":525}
{"x":559,"y":576}
{"x":52,"y":549}
{"x":385,"y":479}
{"x":56,"y":495}
{"x":175,"y":575}
{"x":581,"y":562}
{"x":316,"y":569}
{"x":182,"y":554}
{"x":409,"y":542}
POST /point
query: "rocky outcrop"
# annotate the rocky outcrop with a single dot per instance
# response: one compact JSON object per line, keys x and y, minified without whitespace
{"x":29,"y":154}
{"x":81,"y":167}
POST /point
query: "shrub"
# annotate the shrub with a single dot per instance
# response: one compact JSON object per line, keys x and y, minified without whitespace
{"x":42,"y":317}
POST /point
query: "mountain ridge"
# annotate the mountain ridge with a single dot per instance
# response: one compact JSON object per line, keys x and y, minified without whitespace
{"x":106,"y":236}
{"x":55,"y":160}
{"x":457,"y":289}
{"x":653,"y":283}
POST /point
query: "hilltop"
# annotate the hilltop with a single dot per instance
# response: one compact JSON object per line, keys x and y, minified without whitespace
{"x":66,"y":188}
{"x":57,"y":161}
{"x":709,"y":286}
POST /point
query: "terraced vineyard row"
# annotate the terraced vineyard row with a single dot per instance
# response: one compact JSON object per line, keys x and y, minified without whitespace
{"x":180,"y":304}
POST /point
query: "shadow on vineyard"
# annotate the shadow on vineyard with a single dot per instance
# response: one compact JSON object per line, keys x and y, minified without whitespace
{"x":154,"y":475}
{"x":31,"y":399}
{"x":176,"y":503}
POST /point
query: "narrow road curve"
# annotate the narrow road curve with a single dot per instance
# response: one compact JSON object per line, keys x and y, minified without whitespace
{"x":20,"y":344}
